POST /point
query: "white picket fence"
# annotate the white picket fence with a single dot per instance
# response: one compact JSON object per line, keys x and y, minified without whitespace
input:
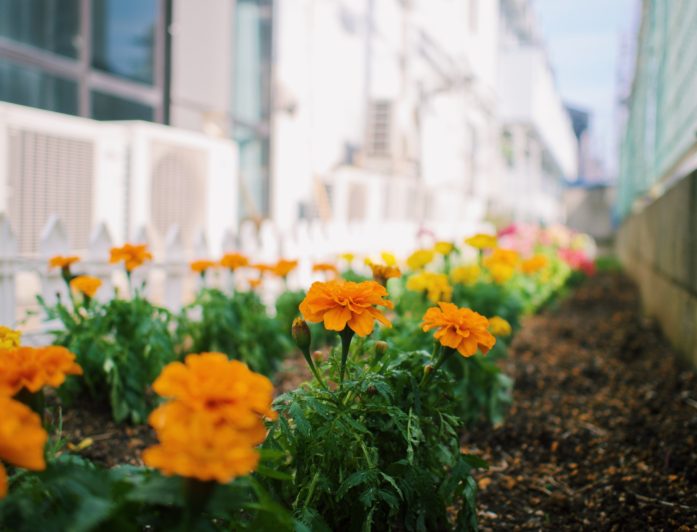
{"x":169,"y":279}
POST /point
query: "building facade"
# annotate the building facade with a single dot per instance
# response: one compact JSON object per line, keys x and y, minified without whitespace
{"x":538,"y":147}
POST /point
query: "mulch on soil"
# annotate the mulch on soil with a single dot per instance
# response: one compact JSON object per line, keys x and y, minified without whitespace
{"x":603,"y":430}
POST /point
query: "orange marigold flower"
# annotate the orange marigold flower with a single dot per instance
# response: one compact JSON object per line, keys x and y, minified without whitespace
{"x":340,"y":303}
{"x":482,"y":241}
{"x":9,"y":338}
{"x":232,"y":261}
{"x":459,"y":328}
{"x":22,"y":439}
{"x":35,"y":367}
{"x":86,"y":284}
{"x":200,"y":266}
{"x":262,"y":268}
{"x":382,"y":272}
{"x":284,"y":267}
{"x":60,"y":261}
{"x":420,"y":258}
{"x":502,"y":256}
{"x":254,"y":283}
{"x":132,"y":255}
{"x":196,"y":445}
{"x":534,"y":264}
{"x":499,"y":327}
{"x":325,"y":267}
{"x":224,"y":388}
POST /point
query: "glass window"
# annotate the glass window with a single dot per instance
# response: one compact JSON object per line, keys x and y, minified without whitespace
{"x":52,"y":25}
{"x":33,"y":87}
{"x":123,"y":38}
{"x":109,"y":107}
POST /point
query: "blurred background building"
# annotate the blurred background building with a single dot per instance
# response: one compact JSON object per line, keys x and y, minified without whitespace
{"x":433,"y":113}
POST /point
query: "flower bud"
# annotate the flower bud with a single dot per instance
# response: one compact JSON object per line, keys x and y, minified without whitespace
{"x":380,"y":348}
{"x":301,"y":334}
{"x":428,"y":369}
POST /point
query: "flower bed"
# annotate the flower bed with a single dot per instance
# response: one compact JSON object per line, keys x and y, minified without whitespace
{"x":402,"y":358}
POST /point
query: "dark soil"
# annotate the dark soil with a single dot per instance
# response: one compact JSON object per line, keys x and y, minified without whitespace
{"x":603,"y":432}
{"x":90,"y":432}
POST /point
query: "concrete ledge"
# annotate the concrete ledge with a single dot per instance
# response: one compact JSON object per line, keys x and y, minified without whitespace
{"x":658,"y":249}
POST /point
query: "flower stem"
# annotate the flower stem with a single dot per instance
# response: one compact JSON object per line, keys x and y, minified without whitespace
{"x":313,"y":368}
{"x":346,"y":337}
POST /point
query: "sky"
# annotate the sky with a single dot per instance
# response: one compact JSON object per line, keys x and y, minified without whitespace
{"x":583,"y":39}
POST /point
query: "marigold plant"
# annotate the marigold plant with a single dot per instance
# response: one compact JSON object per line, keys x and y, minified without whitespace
{"x":443,"y":248}
{"x":420,"y":259}
{"x":132,"y":255}
{"x":283,"y":267}
{"x":344,"y":303}
{"x":86,"y":284}
{"x":326,"y":268}
{"x":35,"y":367}
{"x":233,"y":261}
{"x":196,"y":445}
{"x":214,"y":419}
{"x":499,"y":327}
{"x":22,"y":439}
{"x":434,"y":285}
{"x":222,"y":387}
{"x":467,"y":274}
{"x":9,"y":338}
{"x":202,"y":266}
{"x":534,"y":264}
{"x":459,"y":328}
{"x":482,"y":241}
{"x":382,"y":272}
{"x":59,"y":261}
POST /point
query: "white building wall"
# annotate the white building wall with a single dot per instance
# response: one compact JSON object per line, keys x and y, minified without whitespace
{"x":201,"y":84}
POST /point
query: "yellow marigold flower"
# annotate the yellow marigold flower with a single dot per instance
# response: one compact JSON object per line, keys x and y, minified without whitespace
{"x":467,"y":274}
{"x":196,"y":445}
{"x":444,"y":248}
{"x":35,"y":367}
{"x":348,"y":257}
{"x":232,"y":261}
{"x":9,"y":338}
{"x":500,"y":273}
{"x":420,"y":259}
{"x":325,"y":267}
{"x":22,"y":439}
{"x":86,"y":284}
{"x":341,"y":303}
{"x":226,"y":389}
{"x":499,"y":327}
{"x":459,"y":328}
{"x":534,"y":264}
{"x":381,"y":272}
{"x":506,"y":257}
{"x":132,"y":255}
{"x":436,"y":285}
{"x":482,"y":241}
{"x":62,"y":262}
{"x":284,"y":267}
{"x":201,"y":266}
{"x":388,"y":258}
